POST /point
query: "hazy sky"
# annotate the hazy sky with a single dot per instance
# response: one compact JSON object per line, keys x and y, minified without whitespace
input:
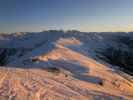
{"x":83,"y":15}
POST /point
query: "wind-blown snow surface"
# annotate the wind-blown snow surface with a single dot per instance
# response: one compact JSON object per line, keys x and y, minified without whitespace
{"x":30,"y":56}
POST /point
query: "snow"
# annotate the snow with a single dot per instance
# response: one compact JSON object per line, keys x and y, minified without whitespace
{"x":74,"y":53}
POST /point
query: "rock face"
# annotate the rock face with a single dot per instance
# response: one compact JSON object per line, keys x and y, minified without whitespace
{"x":60,"y":69}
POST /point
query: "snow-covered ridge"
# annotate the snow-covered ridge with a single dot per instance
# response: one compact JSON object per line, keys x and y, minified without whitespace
{"x":21,"y":47}
{"x":57,"y":64}
{"x":41,"y":42}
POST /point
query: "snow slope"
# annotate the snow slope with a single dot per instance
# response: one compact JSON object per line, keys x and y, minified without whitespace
{"x":79,"y":75}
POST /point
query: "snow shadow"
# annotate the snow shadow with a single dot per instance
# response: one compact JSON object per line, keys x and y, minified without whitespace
{"x":77,"y":71}
{"x":72,"y":67}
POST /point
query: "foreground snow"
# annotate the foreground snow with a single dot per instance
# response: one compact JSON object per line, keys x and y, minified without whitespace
{"x":40,"y":84}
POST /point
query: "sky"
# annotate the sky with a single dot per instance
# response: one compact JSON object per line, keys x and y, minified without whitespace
{"x":82,"y":15}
